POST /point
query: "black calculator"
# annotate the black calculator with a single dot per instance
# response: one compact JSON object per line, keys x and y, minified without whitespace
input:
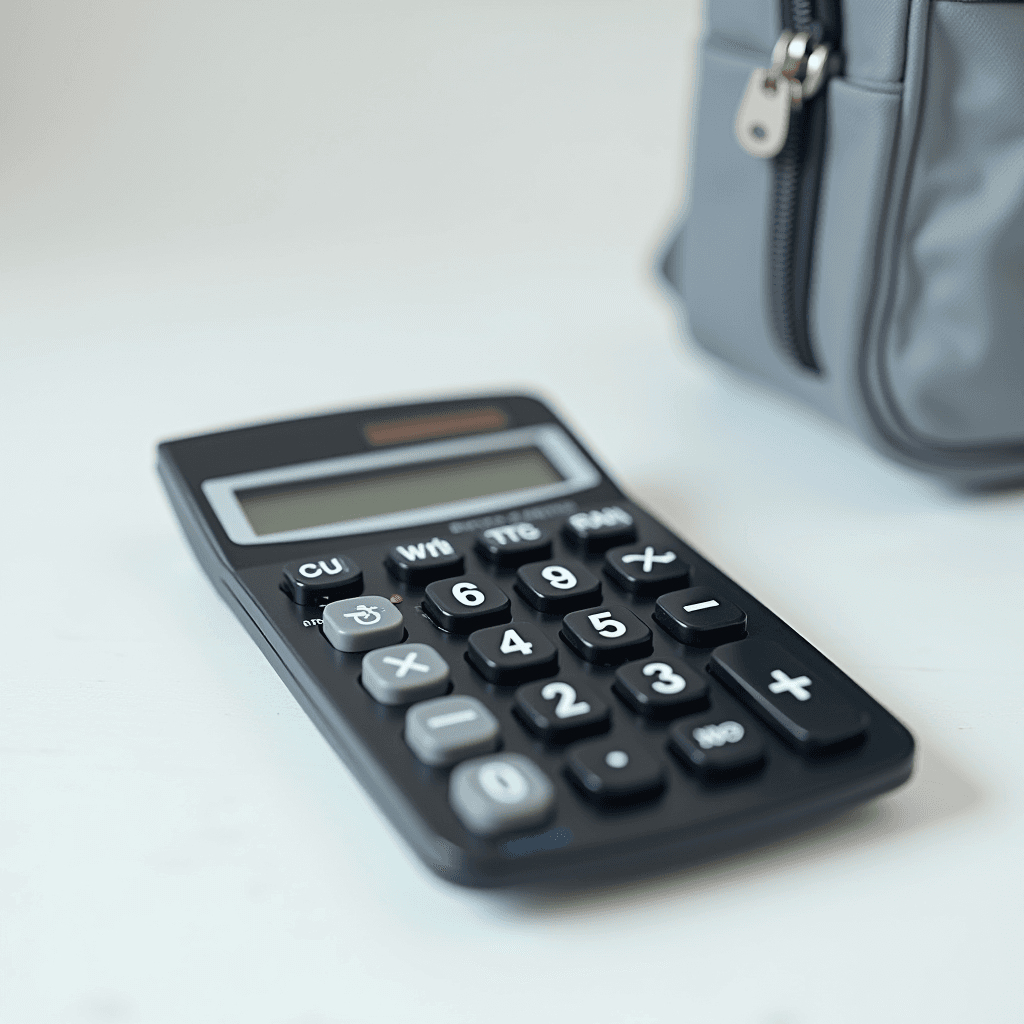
{"x":534,"y":678}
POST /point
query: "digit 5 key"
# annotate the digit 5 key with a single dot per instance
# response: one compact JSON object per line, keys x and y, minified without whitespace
{"x":606,"y":635}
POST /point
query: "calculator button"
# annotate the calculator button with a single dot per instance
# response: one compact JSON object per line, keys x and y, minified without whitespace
{"x":319,"y":580}
{"x":514,"y":544}
{"x":362,"y":623}
{"x":806,"y":709}
{"x":504,"y":793}
{"x":606,"y":635}
{"x":559,"y":711}
{"x":558,"y":586}
{"x":712,"y":746}
{"x":424,"y":560}
{"x":646,"y":570}
{"x":615,"y":771}
{"x":467,"y":604}
{"x":697,"y":616}
{"x":661,"y":687}
{"x":405,"y":673}
{"x":599,"y":529}
{"x":512,"y":653}
{"x":447,"y":730}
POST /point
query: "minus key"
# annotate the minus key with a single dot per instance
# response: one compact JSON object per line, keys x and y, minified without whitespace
{"x":699,"y":617}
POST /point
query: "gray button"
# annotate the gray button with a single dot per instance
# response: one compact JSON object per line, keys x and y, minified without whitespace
{"x":363,"y":623}
{"x":444,"y":731}
{"x":407,"y":672}
{"x":501,"y":793}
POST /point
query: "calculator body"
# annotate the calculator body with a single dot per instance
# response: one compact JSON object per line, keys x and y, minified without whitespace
{"x":699,"y":735}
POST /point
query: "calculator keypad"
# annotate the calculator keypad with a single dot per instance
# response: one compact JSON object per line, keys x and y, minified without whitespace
{"x":606,"y":635}
{"x":467,"y":604}
{"x":447,"y":730}
{"x":362,"y":623}
{"x":512,"y":653}
{"x":558,"y":587}
{"x":614,"y":754}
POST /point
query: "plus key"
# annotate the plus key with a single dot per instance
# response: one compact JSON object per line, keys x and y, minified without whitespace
{"x":806,"y":709}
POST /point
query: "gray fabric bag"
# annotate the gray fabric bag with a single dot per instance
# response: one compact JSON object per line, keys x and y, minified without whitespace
{"x":874,"y":268}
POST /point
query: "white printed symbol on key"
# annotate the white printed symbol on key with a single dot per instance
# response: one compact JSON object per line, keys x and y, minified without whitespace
{"x":649,"y":558}
{"x":668,"y":682}
{"x":311,"y":571}
{"x":699,"y":606}
{"x":365,"y":615}
{"x":568,"y":706}
{"x":711,"y":736}
{"x":783,"y":684}
{"x":405,"y":664}
{"x":503,"y":782}
{"x":451,"y":718}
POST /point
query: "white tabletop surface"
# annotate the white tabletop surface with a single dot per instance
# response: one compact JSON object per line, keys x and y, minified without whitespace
{"x":217,"y":213}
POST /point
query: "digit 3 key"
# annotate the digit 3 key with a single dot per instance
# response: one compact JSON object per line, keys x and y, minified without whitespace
{"x":536,"y":679}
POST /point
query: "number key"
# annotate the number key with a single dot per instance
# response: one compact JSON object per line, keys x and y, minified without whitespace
{"x":466,"y":604}
{"x":557,"y":586}
{"x":501,"y":793}
{"x":606,"y":635}
{"x":512,"y":653}
{"x":558,"y":711}
{"x":661,"y":687}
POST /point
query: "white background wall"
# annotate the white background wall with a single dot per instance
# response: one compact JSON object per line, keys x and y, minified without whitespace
{"x":218,"y":213}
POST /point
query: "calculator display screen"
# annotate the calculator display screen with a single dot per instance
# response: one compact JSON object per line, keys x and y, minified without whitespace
{"x":339,"y":499}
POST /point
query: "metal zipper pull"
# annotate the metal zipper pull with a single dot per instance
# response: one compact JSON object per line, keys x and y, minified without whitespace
{"x":796,"y":74}
{"x":762,"y":122}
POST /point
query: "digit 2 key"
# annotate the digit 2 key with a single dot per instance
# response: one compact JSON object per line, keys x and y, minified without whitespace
{"x":535,"y":679}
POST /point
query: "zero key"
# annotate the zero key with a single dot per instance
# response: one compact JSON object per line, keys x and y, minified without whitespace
{"x":805,"y":707}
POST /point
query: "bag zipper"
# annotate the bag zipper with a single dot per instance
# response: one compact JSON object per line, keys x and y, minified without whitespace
{"x":782,"y":118}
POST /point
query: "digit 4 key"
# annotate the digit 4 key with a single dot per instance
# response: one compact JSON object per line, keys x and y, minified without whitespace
{"x":535,"y":678}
